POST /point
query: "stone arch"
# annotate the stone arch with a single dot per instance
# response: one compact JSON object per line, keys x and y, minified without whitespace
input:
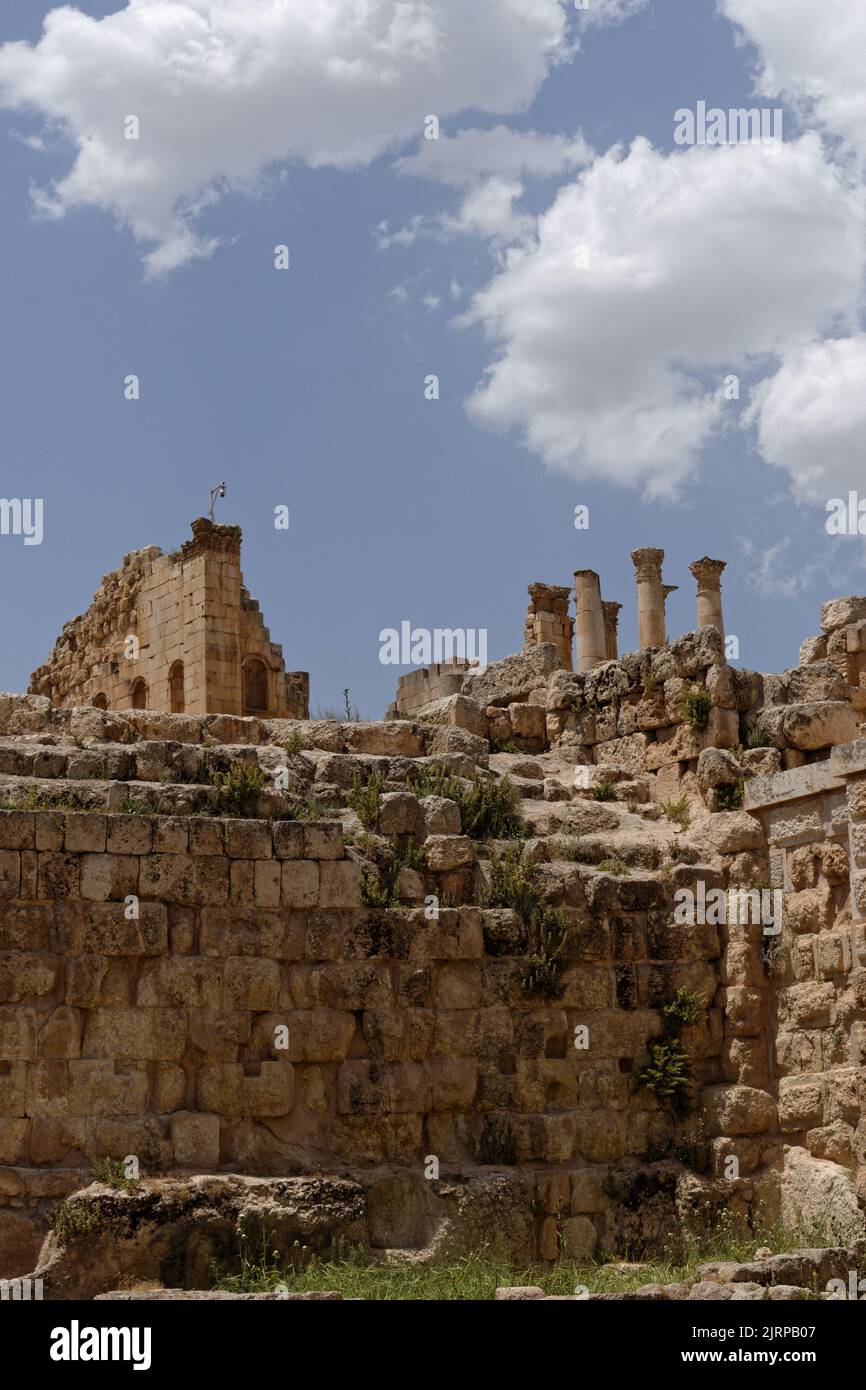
{"x":139,"y":693}
{"x":176,"y":700}
{"x":100,"y":700}
{"x":256,"y":676}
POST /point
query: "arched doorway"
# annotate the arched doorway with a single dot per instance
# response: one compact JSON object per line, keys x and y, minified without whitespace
{"x":175,"y":688}
{"x":255,"y":687}
{"x":139,"y":694}
{"x":100,"y":701}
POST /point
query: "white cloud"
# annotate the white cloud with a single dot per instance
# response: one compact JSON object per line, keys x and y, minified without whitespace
{"x":812,"y":53}
{"x":700,"y":262}
{"x":811,"y":417}
{"x":223,"y":89}
{"x":464,"y":159}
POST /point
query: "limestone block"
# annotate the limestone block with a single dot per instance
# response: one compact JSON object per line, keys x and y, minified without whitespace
{"x":839,"y":612}
{"x":732,"y":832}
{"x":340,"y":884}
{"x":182,"y":878}
{"x":104,"y":876}
{"x":397,"y":738}
{"x":527,"y":721}
{"x":223,"y":1089}
{"x":17,"y":829}
{"x":248,"y":839}
{"x":49,"y":830}
{"x":322,"y":840}
{"x":18,"y":1033}
{"x":447,"y":852}
{"x":820,"y":724}
{"x":400,"y":813}
{"x":458,"y":985}
{"x":809,"y":1005}
{"x":58,"y":875}
{"x":60,"y":1034}
{"x":288,"y":840}
{"x":170,"y":835}
{"x":135,"y":1035}
{"x":97,"y":1088}
{"x":251,"y":984}
{"x":253,"y":932}
{"x":579,"y":1237}
{"x":195,"y":1140}
{"x":458,"y":711}
{"x":441,"y":816}
{"x":85,"y":833}
{"x":206,"y":836}
{"x":10,"y":873}
{"x":738,"y":1110}
{"x":129,"y":834}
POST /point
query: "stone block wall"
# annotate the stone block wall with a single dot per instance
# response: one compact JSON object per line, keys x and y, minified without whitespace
{"x":813,"y":819}
{"x":178,"y":633}
{"x":209,"y":994}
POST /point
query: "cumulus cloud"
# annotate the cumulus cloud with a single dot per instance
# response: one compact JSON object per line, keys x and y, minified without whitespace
{"x":811,"y":52}
{"x":811,"y":417}
{"x":224,"y":89}
{"x":697,"y":263}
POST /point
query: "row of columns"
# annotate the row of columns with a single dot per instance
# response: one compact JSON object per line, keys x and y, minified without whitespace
{"x":596,"y":620}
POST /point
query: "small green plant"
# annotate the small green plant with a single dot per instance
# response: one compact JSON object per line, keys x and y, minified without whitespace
{"x":113,"y":1173}
{"x":685,"y":1008}
{"x":696,"y":707}
{"x":603,"y":791}
{"x":364,"y":797}
{"x":71,"y":1220}
{"x":514,"y":883}
{"x":682,"y":854}
{"x":498,"y":745}
{"x":294,"y":744}
{"x":409,"y":857}
{"x":134,"y":806}
{"x":677,"y":811}
{"x":756,"y":736}
{"x":237,"y":792}
{"x":612,"y":866}
{"x":668,"y":1072}
{"x":489,"y":810}
{"x":730,"y":796}
{"x":543,"y":972}
{"x":377,"y":890}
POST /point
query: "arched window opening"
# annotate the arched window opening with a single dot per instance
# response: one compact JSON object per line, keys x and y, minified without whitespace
{"x":255,"y":687}
{"x":100,"y":701}
{"x":175,"y":688}
{"x":139,"y":694}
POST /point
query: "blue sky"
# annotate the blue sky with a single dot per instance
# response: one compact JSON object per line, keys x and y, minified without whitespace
{"x":306,"y":387}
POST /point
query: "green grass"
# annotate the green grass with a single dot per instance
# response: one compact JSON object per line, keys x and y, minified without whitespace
{"x":476,"y":1277}
{"x":237,"y":792}
{"x":513,"y":883}
{"x":696,"y":707}
{"x":364,"y":797}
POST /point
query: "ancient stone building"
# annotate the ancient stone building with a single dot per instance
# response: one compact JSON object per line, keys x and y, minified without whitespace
{"x":178,"y":633}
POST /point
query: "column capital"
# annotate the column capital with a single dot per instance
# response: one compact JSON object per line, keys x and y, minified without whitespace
{"x":647,"y":563}
{"x":708,"y":572}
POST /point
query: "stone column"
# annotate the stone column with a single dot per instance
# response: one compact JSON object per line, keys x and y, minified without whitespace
{"x":708,"y":573}
{"x":667,"y":589}
{"x":650,"y":597}
{"x":589,"y":620}
{"x":611,"y":619}
{"x":548,"y":620}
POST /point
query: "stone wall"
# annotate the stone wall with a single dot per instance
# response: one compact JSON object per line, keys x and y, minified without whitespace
{"x":174,"y":632}
{"x":158,"y":1035}
{"x":814,"y":818}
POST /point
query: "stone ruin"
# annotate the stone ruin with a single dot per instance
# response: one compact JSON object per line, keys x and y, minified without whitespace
{"x":178,"y":633}
{"x":321,"y":1011}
